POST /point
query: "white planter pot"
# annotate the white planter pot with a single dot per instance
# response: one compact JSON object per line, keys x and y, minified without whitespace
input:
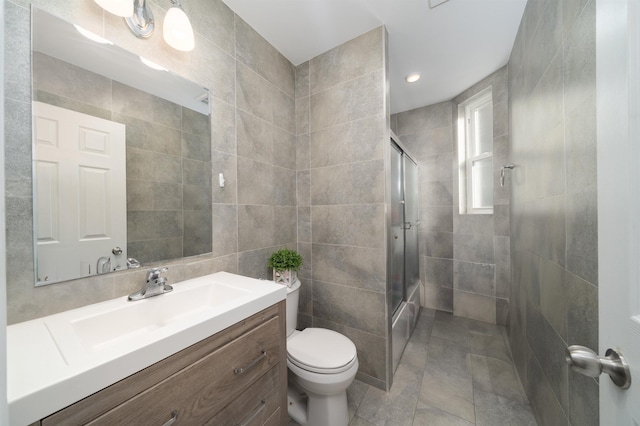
{"x":285,"y":277}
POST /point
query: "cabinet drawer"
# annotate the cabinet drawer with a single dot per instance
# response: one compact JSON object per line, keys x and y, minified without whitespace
{"x":199,"y":391}
{"x":255,"y":405}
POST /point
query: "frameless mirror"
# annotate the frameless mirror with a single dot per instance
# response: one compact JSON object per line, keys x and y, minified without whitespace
{"x":121,"y":157}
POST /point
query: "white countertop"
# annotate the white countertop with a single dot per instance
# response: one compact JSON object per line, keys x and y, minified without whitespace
{"x":50,"y":366}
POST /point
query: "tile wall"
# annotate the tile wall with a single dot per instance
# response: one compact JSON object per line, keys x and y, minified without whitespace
{"x":554,"y":206}
{"x":464,"y":259}
{"x":168,"y":158}
{"x":253,"y":143}
{"x":341,"y":124}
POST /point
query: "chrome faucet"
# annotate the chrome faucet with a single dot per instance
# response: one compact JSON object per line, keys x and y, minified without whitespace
{"x":155,"y":285}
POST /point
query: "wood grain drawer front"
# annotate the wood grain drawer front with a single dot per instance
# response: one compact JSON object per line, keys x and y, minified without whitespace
{"x":255,"y":405}
{"x":199,"y":391}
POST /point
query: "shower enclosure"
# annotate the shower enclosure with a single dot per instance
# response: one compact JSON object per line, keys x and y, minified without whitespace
{"x":404,"y":271}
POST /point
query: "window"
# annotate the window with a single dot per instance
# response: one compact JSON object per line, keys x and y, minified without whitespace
{"x":475,"y":154}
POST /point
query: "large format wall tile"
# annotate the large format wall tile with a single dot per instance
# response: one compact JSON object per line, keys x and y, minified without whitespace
{"x":264,"y":100}
{"x":355,"y":183}
{"x":357,"y":140}
{"x":350,"y":266}
{"x":256,"y":53}
{"x":349,"y":101}
{"x":553,"y":206}
{"x":335,"y":225}
{"x":358,"y":57}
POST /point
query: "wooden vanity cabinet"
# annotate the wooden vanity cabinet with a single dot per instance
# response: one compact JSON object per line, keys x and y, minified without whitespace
{"x":235,"y":377}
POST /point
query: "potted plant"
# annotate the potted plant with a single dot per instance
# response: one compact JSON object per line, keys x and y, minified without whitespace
{"x":285,"y":263}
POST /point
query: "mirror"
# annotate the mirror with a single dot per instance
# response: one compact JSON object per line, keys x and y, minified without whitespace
{"x":121,"y":157}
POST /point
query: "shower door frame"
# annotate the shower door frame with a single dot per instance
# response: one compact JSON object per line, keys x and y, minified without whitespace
{"x":404,"y":317}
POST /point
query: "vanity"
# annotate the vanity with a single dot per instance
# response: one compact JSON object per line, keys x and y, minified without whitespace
{"x":210,"y":352}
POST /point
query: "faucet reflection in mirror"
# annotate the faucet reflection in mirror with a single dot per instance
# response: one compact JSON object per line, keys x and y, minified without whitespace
{"x":176,"y":27}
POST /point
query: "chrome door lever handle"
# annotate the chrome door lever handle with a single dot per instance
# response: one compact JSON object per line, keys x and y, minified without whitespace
{"x":585,"y":361}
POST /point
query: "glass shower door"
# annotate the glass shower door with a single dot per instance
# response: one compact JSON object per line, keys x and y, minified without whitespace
{"x":411,"y":212}
{"x":397,"y":229}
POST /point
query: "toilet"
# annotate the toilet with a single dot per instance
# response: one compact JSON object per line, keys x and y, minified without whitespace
{"x":322,"y":364}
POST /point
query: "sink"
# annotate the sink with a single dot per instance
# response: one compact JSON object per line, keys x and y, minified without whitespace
{"x":115,"y":327}
{"x":56,"y":360}
{"x":126,"y":322}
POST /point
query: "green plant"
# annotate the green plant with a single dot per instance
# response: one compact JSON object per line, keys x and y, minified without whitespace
{"x":284,"y":259}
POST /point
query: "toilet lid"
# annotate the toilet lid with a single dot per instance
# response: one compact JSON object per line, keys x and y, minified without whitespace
{"x":318,"y":349}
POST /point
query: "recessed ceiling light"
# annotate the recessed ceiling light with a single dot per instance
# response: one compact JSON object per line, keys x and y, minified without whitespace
{"x":413,"y":77}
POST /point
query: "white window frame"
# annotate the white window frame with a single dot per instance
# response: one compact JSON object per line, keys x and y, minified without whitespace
{"x":466,"y":138}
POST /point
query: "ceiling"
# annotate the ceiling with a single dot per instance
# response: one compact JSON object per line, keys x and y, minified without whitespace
{"x":453,"y":45}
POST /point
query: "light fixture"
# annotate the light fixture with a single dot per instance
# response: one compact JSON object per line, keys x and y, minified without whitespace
{"x":176,"y":28}
{"x":122,"y":8}
{"x":141,"y":22}
{"x":92,"y":36}
{"x":413,"y":77}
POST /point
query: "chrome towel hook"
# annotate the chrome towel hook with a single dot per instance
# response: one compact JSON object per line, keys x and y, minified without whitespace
{"x":504,"y":166}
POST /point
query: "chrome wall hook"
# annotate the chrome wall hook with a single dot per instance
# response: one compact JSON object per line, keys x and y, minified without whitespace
{"x":504,"y":166}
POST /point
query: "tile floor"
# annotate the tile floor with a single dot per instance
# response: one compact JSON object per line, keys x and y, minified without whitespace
{"x":454,"y":371}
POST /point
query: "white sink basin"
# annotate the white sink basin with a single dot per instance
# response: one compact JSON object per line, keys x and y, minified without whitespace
{"x":122,"y":322}
{"x":106,"y":329}
{"x":56,"y":360}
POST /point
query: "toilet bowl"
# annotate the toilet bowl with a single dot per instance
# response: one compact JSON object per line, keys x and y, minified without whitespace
{"x":322,"y":364}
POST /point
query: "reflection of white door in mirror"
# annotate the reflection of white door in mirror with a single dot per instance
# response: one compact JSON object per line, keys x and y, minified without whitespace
{"x":78,"y":227}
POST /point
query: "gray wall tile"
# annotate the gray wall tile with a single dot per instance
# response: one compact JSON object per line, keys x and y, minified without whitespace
{"x":358,"y":140}
{"x":474,"y":306}
{"x":358,"y":57}
{"x":224,"y":229}
{"x":335,"y":225}
{"x":473,"y":248}
{"x":355,"y":183}
{"x":425,"y":118}
{"x":253,"y":93}
{"x":358,"y":98}
{"x":474,"y":277}
{"x":349,"y":306}
{"x":256,"y":53}
{"x":302,"y":80}
{"x":350,"y":266}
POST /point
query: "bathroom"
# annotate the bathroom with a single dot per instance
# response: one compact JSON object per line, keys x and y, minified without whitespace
{"x":273,"y":124}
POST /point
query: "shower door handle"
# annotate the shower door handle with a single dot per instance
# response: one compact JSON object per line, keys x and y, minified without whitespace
{"x":409,"y":225}
{"x":585,"y":361}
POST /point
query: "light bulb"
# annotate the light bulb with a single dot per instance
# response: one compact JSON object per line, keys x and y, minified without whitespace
{"x":122,"y":8}
{"x":177,"y":30}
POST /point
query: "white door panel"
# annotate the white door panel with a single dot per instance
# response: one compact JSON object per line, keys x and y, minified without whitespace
{"x":80,"y":174}
{"x":618,"y":102}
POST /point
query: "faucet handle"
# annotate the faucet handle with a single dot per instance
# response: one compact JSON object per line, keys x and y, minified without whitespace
{"x":154,"y":273}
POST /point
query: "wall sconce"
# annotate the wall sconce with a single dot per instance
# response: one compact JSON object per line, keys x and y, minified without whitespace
{"x":177,"y":30}
{"x":141,"y":22}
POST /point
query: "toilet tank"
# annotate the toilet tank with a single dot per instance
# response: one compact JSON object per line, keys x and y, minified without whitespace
{"x":293,"y":294}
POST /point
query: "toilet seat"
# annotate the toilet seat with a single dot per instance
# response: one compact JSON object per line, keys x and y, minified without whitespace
{"x":320,"y":350}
